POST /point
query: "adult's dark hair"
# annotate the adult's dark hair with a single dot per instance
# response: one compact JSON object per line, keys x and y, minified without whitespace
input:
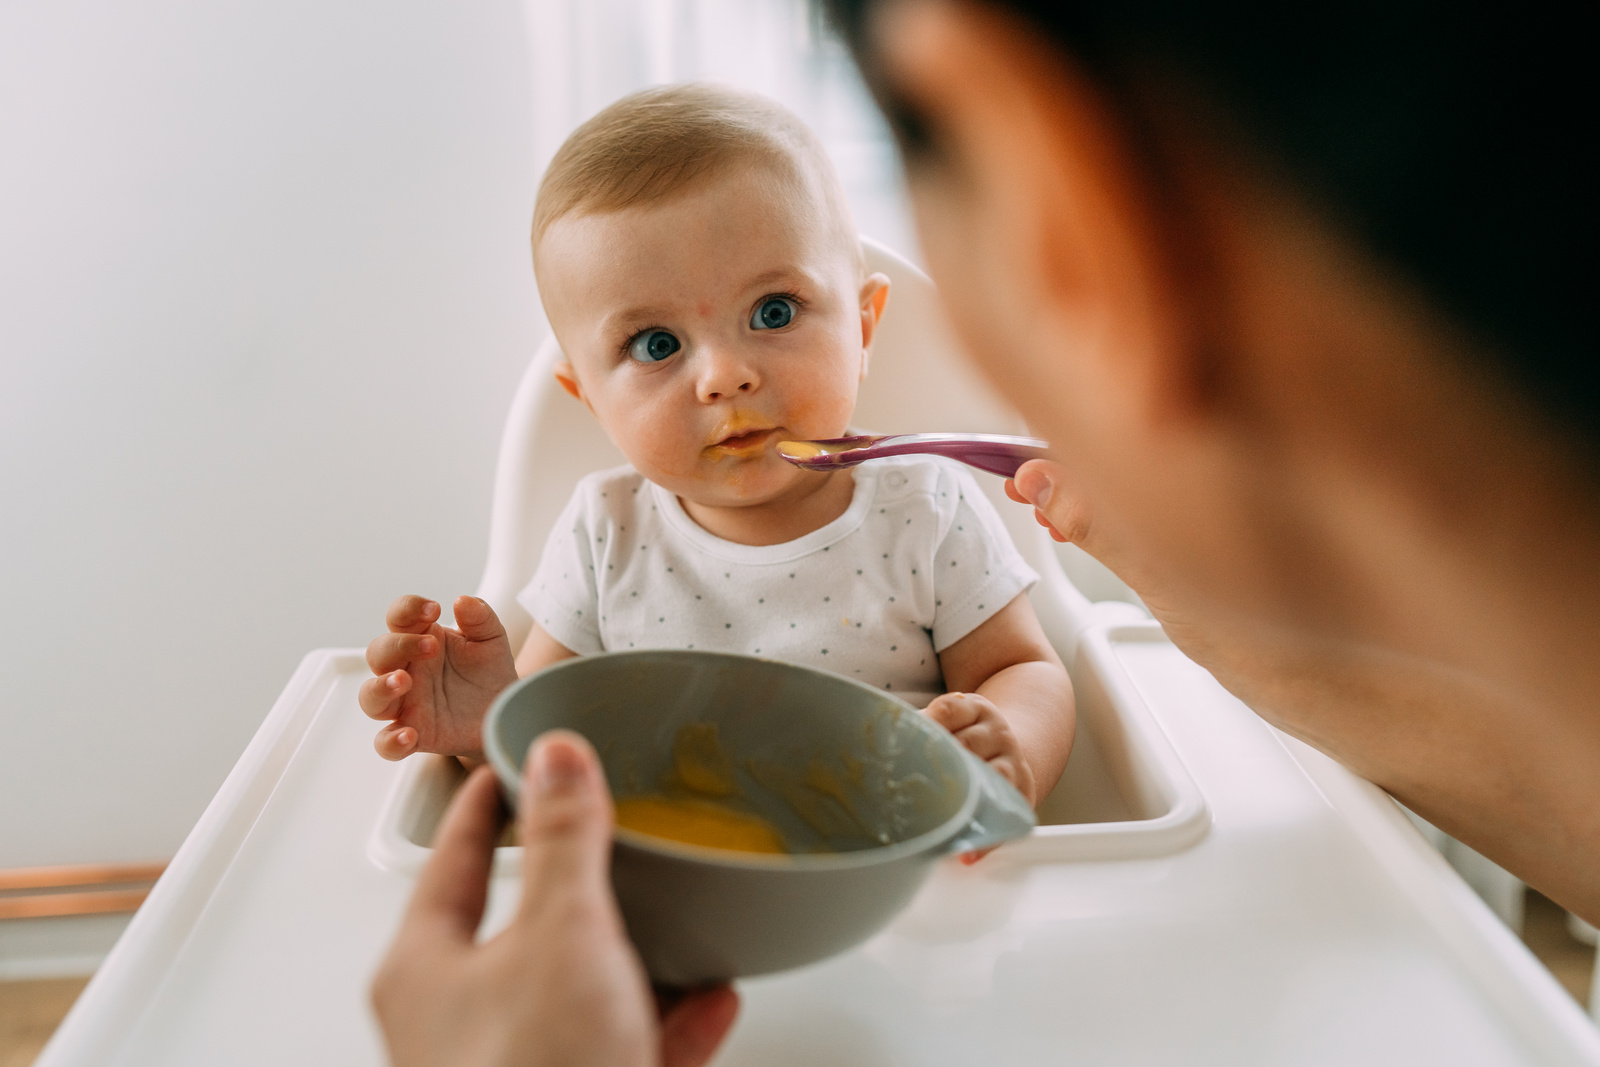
{"x":1447,"y":137}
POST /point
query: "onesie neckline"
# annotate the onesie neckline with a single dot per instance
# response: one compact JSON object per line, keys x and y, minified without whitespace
{"x":866,"y":483}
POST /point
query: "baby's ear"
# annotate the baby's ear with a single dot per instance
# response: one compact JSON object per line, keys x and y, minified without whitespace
{"x":569,"y":380}
{"x":874,"y":295}
{"x":880,"y":293}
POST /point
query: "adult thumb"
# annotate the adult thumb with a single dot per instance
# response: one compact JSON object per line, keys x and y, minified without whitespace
{"x":1044,"y":485}
{"x":1073,"y":519}
{"x":565,"y":820}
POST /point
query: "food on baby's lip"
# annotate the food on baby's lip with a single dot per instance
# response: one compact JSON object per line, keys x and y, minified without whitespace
{"x":699,"y":822}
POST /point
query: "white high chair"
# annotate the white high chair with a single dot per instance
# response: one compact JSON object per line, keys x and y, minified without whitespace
{"x":917,"y":381}
{"x":1201,"y":889}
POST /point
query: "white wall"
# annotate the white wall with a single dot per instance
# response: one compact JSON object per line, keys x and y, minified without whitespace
{"x":264,"y":292}
{"x":264,"y":295}
{"x":587,"y":53}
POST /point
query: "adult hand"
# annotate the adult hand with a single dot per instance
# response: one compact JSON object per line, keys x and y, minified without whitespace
{"x":1245,"y":658}
{"x":1069,"y":516}
{"x":560,"y":985}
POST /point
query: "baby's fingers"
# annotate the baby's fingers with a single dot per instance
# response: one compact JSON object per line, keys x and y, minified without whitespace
{"x":411,"y":614}
{"x":987,"y":739}
{"x":1006,"y":760}
{"x":955,"y":711}
{"x":392,"y":651}
{"x":395,"y":742}
{"x":380,"y":697}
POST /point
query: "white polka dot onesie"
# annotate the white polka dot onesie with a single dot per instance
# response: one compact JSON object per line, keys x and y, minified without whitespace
{"x":917,"y":562}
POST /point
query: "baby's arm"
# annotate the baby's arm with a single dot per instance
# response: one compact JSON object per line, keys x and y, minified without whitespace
{"x":539,"y":651}
{"x":1010,"y":701}
{"x":432,"y":685}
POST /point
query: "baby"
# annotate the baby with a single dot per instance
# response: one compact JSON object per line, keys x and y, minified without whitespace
{"x":701,"y":270}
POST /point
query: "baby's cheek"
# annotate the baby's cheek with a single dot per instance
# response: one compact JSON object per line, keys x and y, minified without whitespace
{"x":824,"y":405}
{"x":654,"y":441}
{"x":670,"y":462}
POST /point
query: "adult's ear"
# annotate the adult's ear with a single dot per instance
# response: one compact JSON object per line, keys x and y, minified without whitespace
{"x":1038,"y":221}
{"x":874,"y":297}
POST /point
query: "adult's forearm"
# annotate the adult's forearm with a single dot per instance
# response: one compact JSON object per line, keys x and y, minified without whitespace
{"x":1518,"y":782}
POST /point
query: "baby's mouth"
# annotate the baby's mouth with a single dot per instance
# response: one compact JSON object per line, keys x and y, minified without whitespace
{"x":748,"y":441}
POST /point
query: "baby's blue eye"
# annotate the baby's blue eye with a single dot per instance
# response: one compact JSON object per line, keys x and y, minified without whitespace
{"x":653,"y":346}
{"x":775,"y":313}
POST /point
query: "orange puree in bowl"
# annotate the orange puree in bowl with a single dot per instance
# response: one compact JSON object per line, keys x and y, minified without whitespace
{"x":699,"y":822}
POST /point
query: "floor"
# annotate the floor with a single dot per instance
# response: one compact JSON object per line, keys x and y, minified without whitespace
{"x":1544,"y":930}
{"x":29,"y":1011}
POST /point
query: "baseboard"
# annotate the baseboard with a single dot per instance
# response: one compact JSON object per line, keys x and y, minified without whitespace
{"x":60,"y":947}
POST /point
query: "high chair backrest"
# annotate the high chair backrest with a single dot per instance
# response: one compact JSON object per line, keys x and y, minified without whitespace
{"x":917,"y":380}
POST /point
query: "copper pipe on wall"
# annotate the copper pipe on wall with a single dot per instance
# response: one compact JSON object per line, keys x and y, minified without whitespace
{"x":37,"y":892}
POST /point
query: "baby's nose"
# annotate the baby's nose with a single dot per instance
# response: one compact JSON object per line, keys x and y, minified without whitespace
{"x":743,"y":387}
{"x":725,"y":374}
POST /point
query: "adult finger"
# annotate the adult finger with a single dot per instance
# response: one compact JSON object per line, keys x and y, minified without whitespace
{"x":380,"y":697}
{"x":450,"y":892}
{"x":476,"y":619}
{"x":391,"y":651}
{"x":696,"y":1026}
{"x":565,"y":822}
{"x":1043,"y":520}
{"x":411,"y":614}
{"x":1038,"y":516}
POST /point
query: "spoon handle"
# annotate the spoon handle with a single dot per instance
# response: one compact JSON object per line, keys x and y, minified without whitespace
{"x":996,"y":453}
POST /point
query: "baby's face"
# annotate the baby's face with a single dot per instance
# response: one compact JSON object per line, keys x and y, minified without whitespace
{"x":703,"y":330}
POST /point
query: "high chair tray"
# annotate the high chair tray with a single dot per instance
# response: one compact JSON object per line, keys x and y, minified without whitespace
{"x":1125,"y":793}
{"x":1305,"y":921}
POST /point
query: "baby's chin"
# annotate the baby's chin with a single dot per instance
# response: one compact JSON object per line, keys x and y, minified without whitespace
{"x":746,"y":485}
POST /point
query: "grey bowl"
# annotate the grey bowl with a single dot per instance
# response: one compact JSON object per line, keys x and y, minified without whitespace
{"x":896,"y":793}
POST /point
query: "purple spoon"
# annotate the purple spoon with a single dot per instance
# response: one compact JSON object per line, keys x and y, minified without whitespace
{"x":992,"y":452}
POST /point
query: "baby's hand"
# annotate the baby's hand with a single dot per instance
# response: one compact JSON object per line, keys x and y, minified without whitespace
{"x":434,"y":684}
{"x":978,"y":725}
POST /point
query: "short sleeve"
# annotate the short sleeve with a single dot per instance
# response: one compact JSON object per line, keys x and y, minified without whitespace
{"x":977,"y":569}
{"x":563,"y":596}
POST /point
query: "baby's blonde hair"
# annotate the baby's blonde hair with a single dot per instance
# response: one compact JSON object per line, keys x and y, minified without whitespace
{"x":653,"y":144}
